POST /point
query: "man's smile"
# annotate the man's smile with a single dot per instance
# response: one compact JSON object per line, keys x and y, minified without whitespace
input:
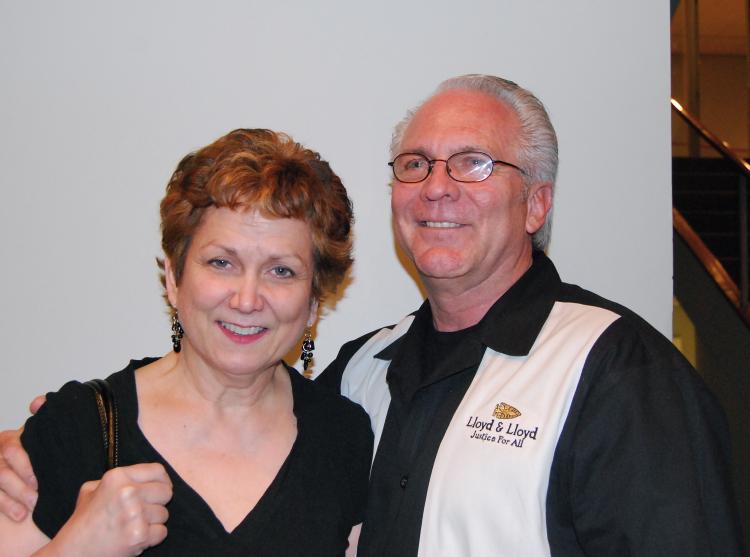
{"x":439,"y":224}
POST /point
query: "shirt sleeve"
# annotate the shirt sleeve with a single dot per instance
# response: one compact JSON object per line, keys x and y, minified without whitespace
{"x":642,"y":466}
{"x":330,"y":377}
{"x":65,"y":445}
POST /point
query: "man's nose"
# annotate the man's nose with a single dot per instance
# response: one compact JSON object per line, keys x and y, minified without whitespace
{"x":439,"y":183}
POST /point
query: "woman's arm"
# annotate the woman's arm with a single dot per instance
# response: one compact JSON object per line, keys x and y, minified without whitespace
{"x":118,"y":516}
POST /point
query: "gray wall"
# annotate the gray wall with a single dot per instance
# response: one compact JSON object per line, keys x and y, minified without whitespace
{"x":723,"y":359}
{"x":99,"y":100}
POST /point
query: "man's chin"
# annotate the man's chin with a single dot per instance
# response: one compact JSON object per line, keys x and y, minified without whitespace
{"x":441,"y":263}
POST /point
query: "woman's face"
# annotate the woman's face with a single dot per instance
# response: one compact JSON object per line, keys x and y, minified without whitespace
{"x":245,"y":294}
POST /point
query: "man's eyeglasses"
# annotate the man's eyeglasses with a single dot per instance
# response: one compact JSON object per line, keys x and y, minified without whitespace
{"x":467,"y":166}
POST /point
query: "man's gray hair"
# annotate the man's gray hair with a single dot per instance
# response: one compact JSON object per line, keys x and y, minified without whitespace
{"x":537,"y":151}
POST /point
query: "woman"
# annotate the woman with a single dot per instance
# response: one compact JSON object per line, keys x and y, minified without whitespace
{"x":224,"y":449}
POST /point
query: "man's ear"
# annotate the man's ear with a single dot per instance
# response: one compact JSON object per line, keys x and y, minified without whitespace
{"x":538,"y":205}
{"x":170,"y":283}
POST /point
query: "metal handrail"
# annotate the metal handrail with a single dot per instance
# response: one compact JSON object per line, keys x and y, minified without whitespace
{"x":744,"y":169}
{"x":710,"y":137}
{"x":709,"y":261}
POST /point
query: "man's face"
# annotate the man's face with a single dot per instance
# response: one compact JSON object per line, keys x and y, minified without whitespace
{"x":466,"y":233}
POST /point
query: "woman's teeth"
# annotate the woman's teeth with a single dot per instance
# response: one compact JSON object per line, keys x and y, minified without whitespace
{"x":237,"y":330}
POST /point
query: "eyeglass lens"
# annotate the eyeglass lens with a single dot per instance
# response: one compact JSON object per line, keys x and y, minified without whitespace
{"x":464,"y":167}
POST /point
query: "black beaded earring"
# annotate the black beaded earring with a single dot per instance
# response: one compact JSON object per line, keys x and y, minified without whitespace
{"x":177,"y":333}
{"x":308,"y":345}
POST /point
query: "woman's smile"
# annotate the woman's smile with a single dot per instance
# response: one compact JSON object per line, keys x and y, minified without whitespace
{"x":242,"y":335}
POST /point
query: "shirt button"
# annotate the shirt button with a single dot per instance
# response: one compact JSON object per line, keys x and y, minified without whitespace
{"x":404,"y":481}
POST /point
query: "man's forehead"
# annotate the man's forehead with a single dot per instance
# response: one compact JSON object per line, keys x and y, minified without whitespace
{"x":461,"y":120}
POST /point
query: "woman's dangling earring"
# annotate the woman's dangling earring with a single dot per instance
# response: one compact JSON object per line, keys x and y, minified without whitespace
{"x":177,"y":333}
{"x":308,"y":345}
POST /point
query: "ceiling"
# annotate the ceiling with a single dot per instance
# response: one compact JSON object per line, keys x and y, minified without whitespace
{"x":722,"y":27}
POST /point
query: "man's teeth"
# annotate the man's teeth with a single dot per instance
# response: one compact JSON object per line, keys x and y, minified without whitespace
{"x":435,"y":224}
{"x":237,"y":330}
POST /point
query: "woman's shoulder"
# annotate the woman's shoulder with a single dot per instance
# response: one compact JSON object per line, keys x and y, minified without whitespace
{"x":73,"y":407}
{"x":123,"y":381}
{"x":65,"y":410}
{"x":315,"y":399}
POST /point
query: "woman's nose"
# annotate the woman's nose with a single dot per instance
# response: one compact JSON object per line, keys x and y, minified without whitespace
{"x":246,"y":296}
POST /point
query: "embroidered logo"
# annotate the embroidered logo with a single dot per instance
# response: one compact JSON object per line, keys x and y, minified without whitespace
{"x":497,"y":430}
{"x":505,"y":411}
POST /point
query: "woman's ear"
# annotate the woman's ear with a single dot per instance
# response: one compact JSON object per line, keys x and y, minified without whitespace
{"x":314,"y":304}
{"x":170,"y":283}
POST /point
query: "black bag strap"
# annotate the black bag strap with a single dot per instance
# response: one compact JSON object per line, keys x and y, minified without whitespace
{"x":107,"y":407}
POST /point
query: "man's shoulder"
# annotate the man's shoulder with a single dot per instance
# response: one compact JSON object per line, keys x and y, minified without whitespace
{"x":331,"y":376}
{"x":349,"y":348}
{"x":627,"y":342}
{"x":630,"y":350}
{"x":627,"y":322}
{"x":574,"y":294}
{"x":324,"y":404}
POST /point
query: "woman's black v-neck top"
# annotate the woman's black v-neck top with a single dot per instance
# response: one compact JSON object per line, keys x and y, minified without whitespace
{"x":309,"y":508}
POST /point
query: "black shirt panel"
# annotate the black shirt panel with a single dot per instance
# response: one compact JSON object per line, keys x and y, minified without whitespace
{"x":642,"y":464}
{"x":401,"y":471}
{"x":426,"y":388}
{"x":322,"y":483}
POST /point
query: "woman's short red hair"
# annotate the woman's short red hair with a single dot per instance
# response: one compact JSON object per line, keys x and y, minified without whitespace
{"x":267,"y":171}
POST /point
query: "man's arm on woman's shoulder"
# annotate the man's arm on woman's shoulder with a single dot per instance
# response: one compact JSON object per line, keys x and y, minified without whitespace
{"x":18,"y":487}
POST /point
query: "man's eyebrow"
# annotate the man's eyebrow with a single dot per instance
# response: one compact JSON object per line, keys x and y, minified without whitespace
{"x":470,"y":147}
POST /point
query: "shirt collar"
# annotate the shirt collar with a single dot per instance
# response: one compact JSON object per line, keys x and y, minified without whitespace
{"x":513,"y":323}
{"x":510,"y":326}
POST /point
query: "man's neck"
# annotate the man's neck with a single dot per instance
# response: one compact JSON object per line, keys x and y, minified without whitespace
{"x":457,"y":303}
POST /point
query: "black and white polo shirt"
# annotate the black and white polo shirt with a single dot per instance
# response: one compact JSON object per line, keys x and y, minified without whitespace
{"x":561,"y":424}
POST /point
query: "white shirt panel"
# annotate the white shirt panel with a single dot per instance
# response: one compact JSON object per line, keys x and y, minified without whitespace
{"x":487,"y":449}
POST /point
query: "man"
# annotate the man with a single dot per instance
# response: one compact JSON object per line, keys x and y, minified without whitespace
{"x":515,"y":414}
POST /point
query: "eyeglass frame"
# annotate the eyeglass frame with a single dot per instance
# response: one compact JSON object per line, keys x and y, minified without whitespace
{"x":431,"y":164}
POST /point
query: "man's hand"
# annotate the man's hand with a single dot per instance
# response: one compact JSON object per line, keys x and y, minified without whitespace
{"x":18,"y":487}
{"x":36,"y":404}
{"x":120,"y":515}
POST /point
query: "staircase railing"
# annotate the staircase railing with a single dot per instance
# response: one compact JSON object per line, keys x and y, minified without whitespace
{"x":738,"y":296}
